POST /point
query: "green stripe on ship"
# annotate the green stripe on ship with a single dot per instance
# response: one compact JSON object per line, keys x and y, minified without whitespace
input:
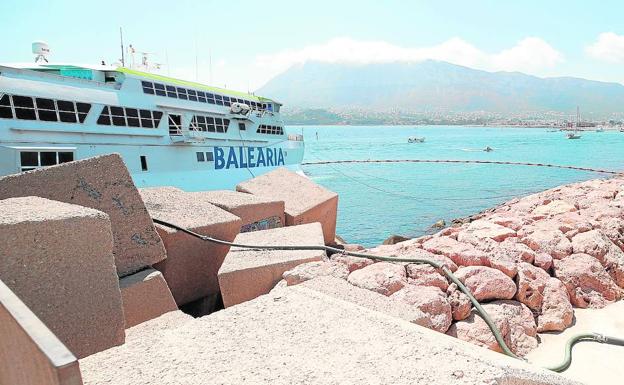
{"x":166,"y":79}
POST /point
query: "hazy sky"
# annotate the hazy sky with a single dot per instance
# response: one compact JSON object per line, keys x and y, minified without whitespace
{"x":251,"y":41}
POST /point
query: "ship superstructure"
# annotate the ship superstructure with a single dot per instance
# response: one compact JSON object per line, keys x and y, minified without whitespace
{"x":169,"y":132}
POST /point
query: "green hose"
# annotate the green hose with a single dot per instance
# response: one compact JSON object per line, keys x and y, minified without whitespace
{"x":480,"y":310}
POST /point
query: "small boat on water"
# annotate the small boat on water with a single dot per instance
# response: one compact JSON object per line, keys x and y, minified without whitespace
{"x":573,"y":135}
{"x":416,"y":139}
{"x":488,"y":149}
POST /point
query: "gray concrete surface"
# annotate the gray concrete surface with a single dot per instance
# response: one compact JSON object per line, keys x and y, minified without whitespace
{"x":192,"y":265}
{"x":57,"y":258}
{"x":102,"y":183}
{"x":255,"y":212}
{"x":305,"y":201}
{"x":592,"y":363}
{"x":145,"y":296}
{"x":341,"y":289}
{"x":301,"y":336}
{"x":29,"y":352}
{"x":248,"y":273}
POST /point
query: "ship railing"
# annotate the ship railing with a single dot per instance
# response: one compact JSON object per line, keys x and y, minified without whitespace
{"x":295,"y":137}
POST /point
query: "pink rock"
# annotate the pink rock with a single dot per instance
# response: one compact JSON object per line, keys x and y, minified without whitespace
{"x":543,"y":261}
{"x":486,"y":283}
{"x":508,"y":219}
{"x":352,"y":263}
{"x":514,"y":320}
{"x":309,"y":270}
{"x":460,"y":253}
{"x":483,"y":229}
{"x":430,"y":300}
{"x":587,"y":282}
{"x":425,"y":275}
{"x":553,"y":208}
{"x":460,"y":303}
{"x":613,"y":228}
{"x":531,"y":281}
{"x":506,"y":255}
{"x":353,"y":247}
{"x":383,"y":277}
{"x":553,"y":242}
{"x":411,"y":251}
{"x":597,"y":245}
{"x":556,"y":313}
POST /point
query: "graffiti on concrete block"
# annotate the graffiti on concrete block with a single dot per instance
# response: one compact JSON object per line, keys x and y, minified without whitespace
{"x":264,"y":224}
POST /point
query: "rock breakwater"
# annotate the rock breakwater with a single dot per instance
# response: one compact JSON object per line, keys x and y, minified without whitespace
{"x":530,"y":261}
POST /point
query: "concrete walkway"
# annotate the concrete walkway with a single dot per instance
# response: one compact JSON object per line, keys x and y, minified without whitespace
{"x":592,"y":363}
{"x":300,"y":336}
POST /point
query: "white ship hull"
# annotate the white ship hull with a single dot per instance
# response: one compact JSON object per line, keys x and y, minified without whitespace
{"x":193,"y":144}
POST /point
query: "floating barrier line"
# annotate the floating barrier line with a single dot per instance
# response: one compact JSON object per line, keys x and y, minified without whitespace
{"x":478,"y":308}
{"x":498,"y":162}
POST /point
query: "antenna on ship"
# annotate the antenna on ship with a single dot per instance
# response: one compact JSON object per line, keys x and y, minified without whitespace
{"x":123,"y":61}
{"x":42,"y":50}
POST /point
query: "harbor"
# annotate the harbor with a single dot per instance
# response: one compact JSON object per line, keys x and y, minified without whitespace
{"x":170,"y":299}
{"x":384,"y":193}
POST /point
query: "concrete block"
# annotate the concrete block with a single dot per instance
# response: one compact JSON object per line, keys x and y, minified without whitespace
{"x":256,"y":212}
{"x":145,"y":296}
{"x":247,"y":274}
{"x":57,"y":258}
{"x":29,"y":352}
{"x":192,"y":265}
{"x":305,"y":201}
{"x":341,"y":289}
{"x":301,"y":336}
{"x":102,"y":183}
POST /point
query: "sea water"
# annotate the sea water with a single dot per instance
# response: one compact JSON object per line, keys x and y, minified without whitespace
{"x":378,"y":200}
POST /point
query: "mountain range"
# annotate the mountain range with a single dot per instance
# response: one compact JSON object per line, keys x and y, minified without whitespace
{"x":438,"y":87}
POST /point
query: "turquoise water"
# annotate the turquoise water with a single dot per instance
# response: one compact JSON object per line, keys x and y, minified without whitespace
{"x":378,"y":200}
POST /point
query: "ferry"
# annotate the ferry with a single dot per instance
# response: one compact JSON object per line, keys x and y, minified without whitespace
{"x":169,"y":132}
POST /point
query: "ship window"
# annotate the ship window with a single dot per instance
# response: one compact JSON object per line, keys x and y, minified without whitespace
{"x":83,"y":111}
{"x":201,"y":96}
{"x":67,"y":111}
{"x":5,"y":107}
{"x":241,"y":126}
{"x":201,"y":123}
{"x":211,"y":98}
{"x":160,"y":89}
{"x":24,"y":107}
{"x":182,"y":93}
{"x":143,"y":163}
{"x":192,"y":95}
{"x":175,"y":124}
{"x":29,"y":159}
{"x":46,"y":110}
{"x":118,"y":116}
{"x":148,"y":87}
{"x":132,"y":115}
{"x":209,"y":157}
{"x":226,"y":101}
{"x":104,"y":118}
{"x":171,"y":92}
{"x":157,"y":116}
{"x":64,"y":157}
{"x":146,"y":119}
{"x":48,"y":158}
{"x":200,"y":157}
{"x":219,"y":100}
